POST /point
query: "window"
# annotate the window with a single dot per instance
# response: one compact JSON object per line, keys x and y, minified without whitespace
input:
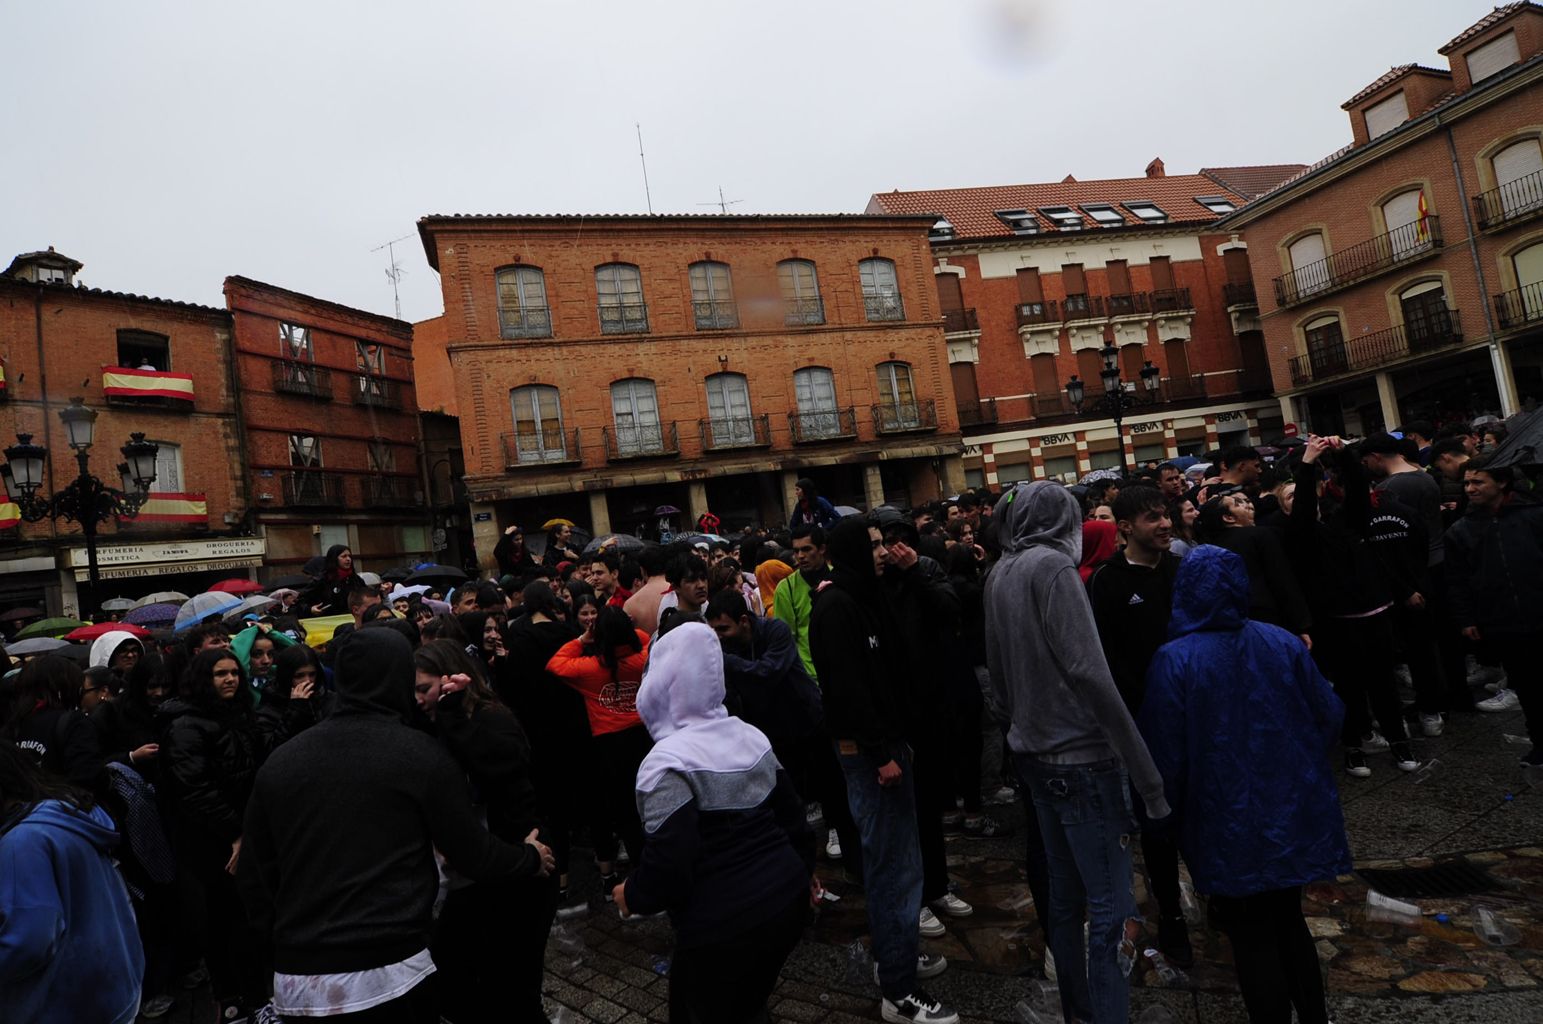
{"x":1519,"y":177}
{"x":1493,"y":57}
{"x":897,"y":397}
{"x":1009,"y":473}
{"x":1020,"y":222}
{"x":635,"y":409}
{"x":295,"y":343}
{"x":370,"y":358}
{"x":538,"y":424}
{"x":1062,"y":467}
{"x":1075,"y":281}
{"x":1407,"y":231}
{"x":1325,"y":346}
{"x":141,"y":350}
{"x":382,"y":456}
{"x":881,"y":290}
{"x":51,"y":275}
{"x":1104,"y":216}
{"x":712,"y":296}
{"x":814,"y":388}
{"x":800,"y":293}
{"x":1383,"y":117}
{"x":1063,"y":217}
{"x":728,"y":411}
{"x":1426,"y":321}
{"x":942,"y":231}
{"x":1217,"y":204}
{"x":1309,"y":264}
{"x":168,"y":468}
{"x":619,"y":287}
{"x":1528,"y":265}
{"x":305,"y":451}
{"x":522,"y":308}
{"x":1149,"y":213}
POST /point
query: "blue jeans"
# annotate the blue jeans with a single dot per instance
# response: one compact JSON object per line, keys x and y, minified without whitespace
{"x":1084,"y":813}
{"x":892,"y":868}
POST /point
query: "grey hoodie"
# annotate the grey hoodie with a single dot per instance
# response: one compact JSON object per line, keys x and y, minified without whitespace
{"x":1047,"y":666}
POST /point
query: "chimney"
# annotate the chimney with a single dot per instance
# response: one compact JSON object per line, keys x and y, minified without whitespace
{"x":1068,"y":180}
{"x":1155,"y":168}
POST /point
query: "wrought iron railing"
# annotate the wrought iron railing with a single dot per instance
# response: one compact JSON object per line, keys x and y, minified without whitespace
{"x":1042,"y":312}
{"x":803,"y":312}
{"x":1239,"y":294}
{"x":1360,"y":261}
{"x":1514,"y":201}
{"x":1523,"y":306}
{"x":313,"y":487}
{"x":960,"y":321}
{"x":380,"y":392}
{"x":393,"y":491}
{"x":822,"y":425}
{"x":546,"y":447}
{"x":883,"y":307}
{"x":1180,"y":389}
{"x":1369,"y":351}
{"x":623,"y":318}
{"x":1082,"y":306}
{"x":979,"y":412}
{"x":1170,"y":300}
{"x":724,"y":432}
{"x":903,"y":417}
{"x":1129,"y":304}
{"x":714,"y":315}
{"x":1052,"y":405}
{"x":304,"y":379}
{"x":640,"y":441}
{"x":525,"y":321}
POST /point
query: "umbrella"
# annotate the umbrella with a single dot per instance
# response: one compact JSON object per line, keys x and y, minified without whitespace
{"x":152,"y":615}
{"x":552,"y":524}
{"x":1183,"y":462}
{"x":200,"y":606}
{"x":250,"y":603}
{"x":237,"y":586}
{"x":1100,"y":474}
{"x":161,"y":597}
{"x":92,"y":632}
{"x":316,"y":565}
{"x":1523,"y":445}
{"x":666,"y":510}
{"x":400,"y":591}
{"x":294,"y":581}
{"x":395,"y":575}
{"x":621,"y":543}
{"x":117,"y":604}
{"x":370,"y":579}
{"x":21,"y":614}
{"x":75,"y":652}
{"x":847,"y":510}
{"x":36,"y":645}
{"x":50,"y":627}
{"x":437,"y":574}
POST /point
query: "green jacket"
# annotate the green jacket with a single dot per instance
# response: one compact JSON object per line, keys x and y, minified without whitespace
{"x":792,"y":602}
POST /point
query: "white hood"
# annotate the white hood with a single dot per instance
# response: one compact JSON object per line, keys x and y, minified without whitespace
{"x":103,"y":646}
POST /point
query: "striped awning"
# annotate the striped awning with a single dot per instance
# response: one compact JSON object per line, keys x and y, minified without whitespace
{"x":173,"y":507}
{"x":120,"y":381}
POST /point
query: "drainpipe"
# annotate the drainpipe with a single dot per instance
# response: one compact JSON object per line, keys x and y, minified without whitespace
{"x":243,"y":453}
{"x":48,"y":427}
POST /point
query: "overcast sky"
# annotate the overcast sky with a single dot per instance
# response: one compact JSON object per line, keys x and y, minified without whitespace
{"x":167,"y":145}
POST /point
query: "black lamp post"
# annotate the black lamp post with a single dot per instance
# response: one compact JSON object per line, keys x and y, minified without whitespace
{"x":85,"y":500}
{"x":1116,"y":399}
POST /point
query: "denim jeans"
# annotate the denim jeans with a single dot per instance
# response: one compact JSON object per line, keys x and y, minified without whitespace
{"x":892,"y":868}
{"x":1085,"y":816}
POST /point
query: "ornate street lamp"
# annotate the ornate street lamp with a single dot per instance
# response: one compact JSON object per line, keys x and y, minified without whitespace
{"x":85,"y":500}
{"x":1116,"y":399}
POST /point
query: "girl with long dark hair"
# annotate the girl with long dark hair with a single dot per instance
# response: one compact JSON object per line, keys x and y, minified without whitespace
{"x":38,"y":713}
{"x":329,"y":595}
{"x":294,"y":699}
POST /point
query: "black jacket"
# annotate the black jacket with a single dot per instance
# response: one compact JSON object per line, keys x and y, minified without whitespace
{"x":767,"y":686}
{"x":491,"y":748}
{"x":1272,"y":587}
{"x":1132,"y":605}
{"x":210,"y":753}
{"x":1340,"y":558}
{"x":1494,"y":567}
{"x":331,"y":591}
{"x":923,"y":604}
{"x":511,"y":562}
{"x":65,"y":745}
{"x":337,"y":860}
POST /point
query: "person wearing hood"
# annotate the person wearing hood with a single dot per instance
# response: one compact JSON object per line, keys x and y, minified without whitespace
{"x":1243,"y":728}
{"x":1100,"y":540}
{"x":256,"y":647}
{"x":342,"y":875}
{"x":69,"y":949}
{"x":1072,"y":739}
{"x":860,"y":655}
{"x":329,"y":596}
{"x":118,"y":650}
{"x":727,"y":850}
{"x":809,"y":509}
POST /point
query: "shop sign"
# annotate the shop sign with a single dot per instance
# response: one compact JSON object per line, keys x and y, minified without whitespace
{"x":1054,"y":439}
{"x":129,"y":572}
{"x":1146,"y":428}
{"x":1228,"y":417}
{"x":171,"y":551}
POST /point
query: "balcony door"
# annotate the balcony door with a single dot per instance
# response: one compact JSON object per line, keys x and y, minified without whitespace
{"x":1528,"y":265}
{"x":1407,"y":233}
{"x":635,"y":410}
{"x":897,"y":396}
{"x":1309,"y":266}
{"x":815,"y":390}
{"x":1519,"y":177}
{"x":538,"y":424}
{"x":728,"y":410}
{"x":1326,"y":346}
{"x":1426,"y":320}
{"x":305,"y":456}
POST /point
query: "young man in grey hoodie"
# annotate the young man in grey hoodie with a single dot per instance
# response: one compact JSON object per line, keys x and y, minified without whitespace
{"x":1072,"y":738}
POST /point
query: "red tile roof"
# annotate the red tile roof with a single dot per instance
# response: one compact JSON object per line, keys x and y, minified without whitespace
{"x":1393,"y":75}
{"x":1249,"y":182}
{"x":972,"y":211}
{"x":1488,"y":22}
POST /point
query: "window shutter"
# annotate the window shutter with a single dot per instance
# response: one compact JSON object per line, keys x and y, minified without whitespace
{"x":1402,"y":210}
{"x":1493,"y":57}
{"x":1383,"y":117}
{"x":1529,"y":266}
{"x":1305,"y":250}
{"x":1517,"y":161}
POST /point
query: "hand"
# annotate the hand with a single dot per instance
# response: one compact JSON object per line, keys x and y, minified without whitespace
{"x":265,"y":628}
{"x":902,"y":555}
{"x":458,"y":682}
{"x":619,"y":897}
{"x":498,"y":646}
{"x":816,"y":890}
{"x":979,"y":552}
{"x":1415,"y":600}
{"x":889,"y":775}
{"x":1316,"y":446}
{"x":548,"y":862}
{"x":1307,"y":641}
{"x":318,"y":609}
{"x":1471,"y":633}
{"x":509,"y":530}
{"x":303,"y":690}
{"x":235,"y":855}
{"x":144,"y":753}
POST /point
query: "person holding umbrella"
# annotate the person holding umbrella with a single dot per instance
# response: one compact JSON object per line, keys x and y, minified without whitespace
{"x":330,"y":594}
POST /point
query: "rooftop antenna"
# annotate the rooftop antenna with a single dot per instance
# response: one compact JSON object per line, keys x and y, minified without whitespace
{"x":394,"y":272}
{"x":644,"y":161}
{"x":722,"y":204}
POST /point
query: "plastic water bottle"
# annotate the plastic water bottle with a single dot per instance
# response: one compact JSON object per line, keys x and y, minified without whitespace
{"x":1190,"y":904}
{"x":569,"y":944}
{"x":1170,"y":976}
{"x":1493,"y":928}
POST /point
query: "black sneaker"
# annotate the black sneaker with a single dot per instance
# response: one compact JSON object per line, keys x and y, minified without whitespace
{"x":607,"y":883}
{"x":917,"y":1008}
{"x":986,"y":828}
{"x":1173,"y":940}
{"x":1403,"y":756}
{"x":1355,"y":763}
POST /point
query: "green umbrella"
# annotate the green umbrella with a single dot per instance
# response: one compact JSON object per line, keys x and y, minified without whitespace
{"x":50,"y":627}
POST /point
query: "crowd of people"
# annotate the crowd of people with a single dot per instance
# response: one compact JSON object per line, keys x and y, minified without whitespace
{"x":382,"y":824}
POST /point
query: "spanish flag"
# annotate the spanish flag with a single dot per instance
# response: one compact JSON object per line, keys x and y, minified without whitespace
{"x":173,"y":507}
{"x":123,"y":382}
{"x":1423,"y":229}
{"x":10,"y":512}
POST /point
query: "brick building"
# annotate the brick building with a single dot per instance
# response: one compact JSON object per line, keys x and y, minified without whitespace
{"x":1406,"y":269}
{"x":331,"y":421}
{"x":607,"y":366}
{"x":145,"y":365}
{"x":1040,"y":283}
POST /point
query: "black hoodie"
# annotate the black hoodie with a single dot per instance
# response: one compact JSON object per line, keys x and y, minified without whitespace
{"x":337,"y":858}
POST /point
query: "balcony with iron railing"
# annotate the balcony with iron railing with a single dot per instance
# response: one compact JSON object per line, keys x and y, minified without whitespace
{"x":377,"y":392}
{"x":1377,"y":350}
{"x":1359,"y":262}
{"x":1129,"y":304}
{"x":1042,"y":312}
{"x":1521,"y":307}
{"x":313,"y":488}
{"x":1239,"y":294}
{"x":303,"y":379}
{"x":1054,"y":405}
{"x":393,"y":492}
{"x":905,"y":417}
{"x":803,"y":312}
{"x":545,"y":447}
{"x":960,"y":321}
{"x":1185,"y":388}
{"x":1171,"y":300}
{"x":1511,"y":203}
{"x":1081,"y":306}
{"x":723,"y":433}
{"x":981,"y":412}
{"x":640,"y":441}
{"x":883,"y":307}
{"x":525,"y":321}
{"x":820,"y":425}
{"x":624,"y":318}
{"x":714,"y":315}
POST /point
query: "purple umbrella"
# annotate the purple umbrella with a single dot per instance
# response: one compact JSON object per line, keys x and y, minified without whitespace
{"x":153,"y":615}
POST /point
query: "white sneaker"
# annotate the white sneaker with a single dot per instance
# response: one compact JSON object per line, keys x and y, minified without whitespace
{"x":1005,"y":795}
{"x":917,"y":1008}
{"x":1049,"y":965}
{"x":813,"y":812}
{"x":1504,"y":700}
{"x":1432,"y":725}
{"x":833,"y":845}
{"x":930,"y":926}
{"x":953,"y":906}
{"x":1375,"y":743}
{"x":928,"y":965}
